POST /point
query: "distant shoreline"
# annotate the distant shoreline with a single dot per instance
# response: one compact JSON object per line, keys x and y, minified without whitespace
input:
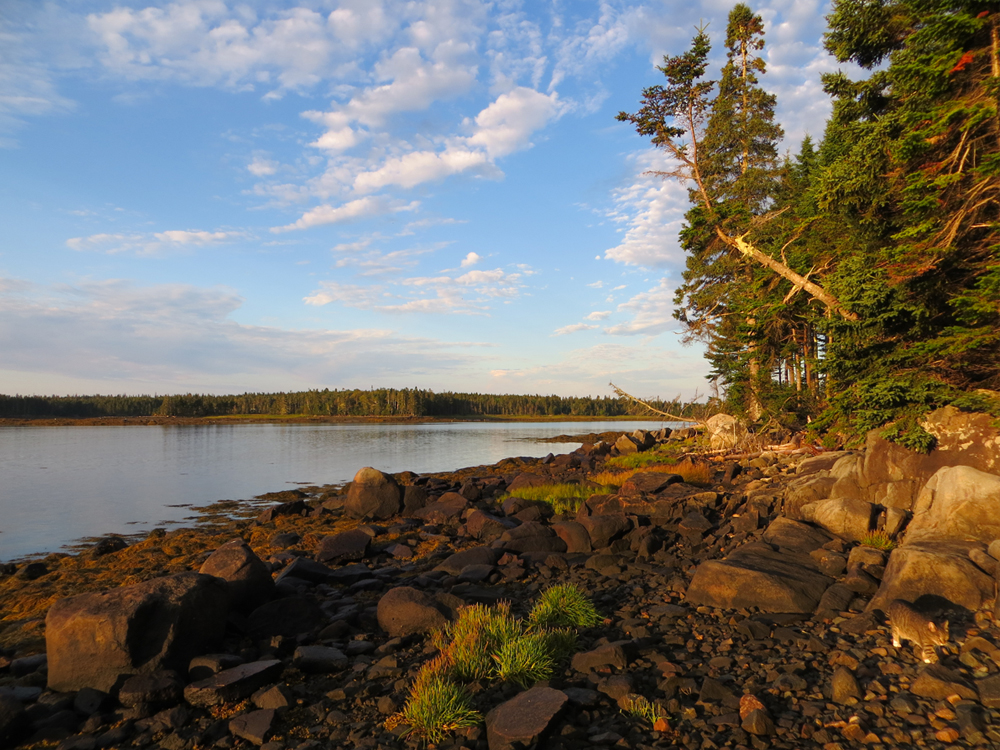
{"x":298,"y":419}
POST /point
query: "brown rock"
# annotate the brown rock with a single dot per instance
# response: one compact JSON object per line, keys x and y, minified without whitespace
{"x":524,"y":718}
{"x":231,"y":685}
{"x":254,"y":726}
{"x":247,"y":577}
{"x":939,"y":683}
{"x":404,"y":610}
{"x":92,"y":639}
{"x":373,"y":495}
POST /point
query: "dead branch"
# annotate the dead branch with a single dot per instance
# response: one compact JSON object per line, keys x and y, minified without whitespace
{"x":673,"y":417}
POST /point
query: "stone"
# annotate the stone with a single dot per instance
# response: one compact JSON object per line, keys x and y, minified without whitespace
{"x":204,"y":666}
{"x":414,"y":498}
{"x":93,"y":638}
{"x":446,"y":509}
{"x":346,"y":546}
{"x":291,"y":508}
{"x":486,"y":527}
{"x":862,"y":556}
{"x":276,"y":697}
{"x":837,"y":598}
{"x":895,"y":521}
{"x":288,"y":617}
{"x":844,"y":688}
{"x":247,"y":577}
{"x":232,"y":685}
{"x":989,"y":691}
{"x":373,"y":495}
{"x":404,"y":610}
{"x":725,"y":431}
{"x":626,"y":445}
{"x":604,"y":529}
{"x":804,"y":490}
{"x":524,"y":718}
{"x":610,"y":655}
{"x":575,"y":535}
{"x":108,"y":546}
{"x":649,"y":482}
{"x":319,"y":659}
{"x":984,"y":561}
{"x":933,"y":569}
{"x":157,"y":688}
{"x":939,"y":683}
{"x":694,"y":525}
{"x":830,"y":563}
{"x":795,"y":536}
{"x":454,"y":564}
{"x":523,"y":480}
{"x":757,"y":722}
{"x":757,"y":576}
{"x":823,"y":462}
{"x":12,"y":718}
{"x":532,"y":537}
{"x":89,"y":701}
{"x":848,"y":519}
{"x":253,"y":727}
{"x":306,"y":570}
{"x":959,"y":504}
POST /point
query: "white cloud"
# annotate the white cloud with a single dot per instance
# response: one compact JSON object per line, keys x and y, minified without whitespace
{"x":508,"y":123}
{"x":471,"y":259}
{"x":599,"y":315}
{"x":261,"y":167}
{"x":597,"y":285}
{"x":351,"y":211}
{"x":157,"y":243}
{"x":574,"y":328}
{"x":178,"y":337}
{"x":651,"y":209}
{"x":652,"y":312}
{"x":418,"y":167}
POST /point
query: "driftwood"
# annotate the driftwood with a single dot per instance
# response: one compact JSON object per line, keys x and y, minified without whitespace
{"x":673,"y":417}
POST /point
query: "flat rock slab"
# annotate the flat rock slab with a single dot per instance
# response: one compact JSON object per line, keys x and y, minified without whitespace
{"x":940,"y":569}
{"x":649,"y":482}
{"x":757,"y":576}
{"x":524,"y":717}
{"x":457,"y":562}
{"x":234,"y":684}
{"x":319,"y":659}
{"x":795,"y":536}
{"x":347,"y":545}
{"x":939,"y":683}
{"x":253,"y":727}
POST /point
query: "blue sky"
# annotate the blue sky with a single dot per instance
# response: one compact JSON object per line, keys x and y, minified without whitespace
{"x":217,"y":196}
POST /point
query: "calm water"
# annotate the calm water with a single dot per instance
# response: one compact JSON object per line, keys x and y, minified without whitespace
{"x":59,"y":484}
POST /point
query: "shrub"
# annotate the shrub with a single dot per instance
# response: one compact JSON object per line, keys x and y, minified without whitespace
{"x":479,"y":632}
{"x":563,"y":606}
{"x":436,"y":705}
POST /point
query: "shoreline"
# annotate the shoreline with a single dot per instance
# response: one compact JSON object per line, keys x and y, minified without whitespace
{"x":152,"y":421}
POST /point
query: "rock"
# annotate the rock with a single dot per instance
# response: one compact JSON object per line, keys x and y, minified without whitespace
{"x":823,"y":462}
{"x":895,"y":521}
{"x":957,"y":504}
{"x":234,"y":684}
{"x":933,"y":569}
{"x":292,"y":508}
{"x":830,"y":563}
{"x":610,"y":655}
{"x":837,"y":598}
{"x":345,"y":546}
{"x":157,"y":688}
{"x":89,"y":701}
{"x":795,"y":536}
{"x":694,"y":526}
{"x":319,"y":659}
{"x":108,"y":545}
{"x":626,"y":444}
{"x":524,"y":718}
{"x":32,"y":571}
{"x":804,"y":490}
{"x":12,"y":718}
{"x":288,"y":617}
{"x":649,"y":482}
{"x":306,"y":570}
{"x":939,"y":683}
{"x":848,"y":519}
{"x":526,"y":480}
{"x":844,"y":688}
{"x":405,"y":610}
{"x":414,"y":498}
{"x":93,"y":638}
{"x":204,"y":666}
{"x":447,"y":509}
{"x":486,"y":527}
{"x":862,"y":556}
{"x":276,"y":697}
{"x":472,"y":556}
{"x":575,"y":535}
{"x":984,"y":561}
{"x":989,"y":691}
{"x":373,"y":495}
{"x":532,"y":537}
{"x":725,"y":431}
{"x":254,"y":726}
{"x":757,"y":576}
{"x":247,"y":577}
{"x":604,"y":529}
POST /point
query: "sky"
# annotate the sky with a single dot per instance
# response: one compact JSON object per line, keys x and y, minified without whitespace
{"x":214,"y":196}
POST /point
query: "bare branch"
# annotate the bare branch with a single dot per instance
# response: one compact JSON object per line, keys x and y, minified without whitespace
{"x":622,"y":394}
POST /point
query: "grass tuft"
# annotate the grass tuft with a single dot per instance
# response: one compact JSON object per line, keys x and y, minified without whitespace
{"x":879,"y":539}
{"x":479,"y":632}
{"x":436,"y":706}
{"x":641,"y":707}
{"x":564,"y":606}
{"x":526,"y":660}
{"x":696,"y":473}
{"x":564,"y":498}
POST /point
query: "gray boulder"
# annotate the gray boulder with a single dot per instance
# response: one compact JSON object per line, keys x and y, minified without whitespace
{"x":93,"y":639}
{"x":938,"y":569}
{"x":959,"y":504}
{"x":725,"y":431}
{"x":373,"y":495}
{"x":343,"y":547}
{"x":849,"y":519}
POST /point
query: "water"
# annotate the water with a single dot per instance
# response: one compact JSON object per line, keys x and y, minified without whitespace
{"x":60,"y":484}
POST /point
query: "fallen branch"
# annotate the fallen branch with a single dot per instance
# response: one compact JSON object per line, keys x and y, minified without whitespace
{"x":673,"y":417}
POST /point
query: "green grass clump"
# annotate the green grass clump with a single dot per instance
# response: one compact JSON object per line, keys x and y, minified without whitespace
{"x":437,"y":705}
{"x":564,"y":606}
{"x":563,"y":498}
{"x":659,"y":455}
{"x":526,"y":660}
{"x":479,"y":632}
{"x":642,"y":708}
{"x":879,"y":539}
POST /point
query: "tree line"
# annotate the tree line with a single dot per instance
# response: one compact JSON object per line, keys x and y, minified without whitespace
{"x":375,"y":402}
{"x":855,"y":283}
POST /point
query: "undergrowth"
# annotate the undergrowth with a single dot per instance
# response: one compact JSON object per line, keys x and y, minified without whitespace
{"x":488,"y":642}
{"x":563,"y":498}
{"x":692,"y":472}
{"x":879,"y":539}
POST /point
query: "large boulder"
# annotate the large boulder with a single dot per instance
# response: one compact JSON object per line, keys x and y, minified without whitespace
{"x":849,"y":519}
{"x":937,"y":569}
{"x":405,"y":610}
{"x":725,"y":431}
{"x":807,"y":489}
{"x":247,"y":577}
{"x":957,"y":504}
{"x":373,"y":495}
{"x":94,"y":639}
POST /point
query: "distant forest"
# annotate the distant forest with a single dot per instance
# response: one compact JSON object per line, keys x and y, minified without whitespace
{"x":377,"y":402}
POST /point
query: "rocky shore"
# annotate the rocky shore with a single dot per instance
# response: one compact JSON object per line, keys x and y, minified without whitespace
{"x":743,"y":595}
